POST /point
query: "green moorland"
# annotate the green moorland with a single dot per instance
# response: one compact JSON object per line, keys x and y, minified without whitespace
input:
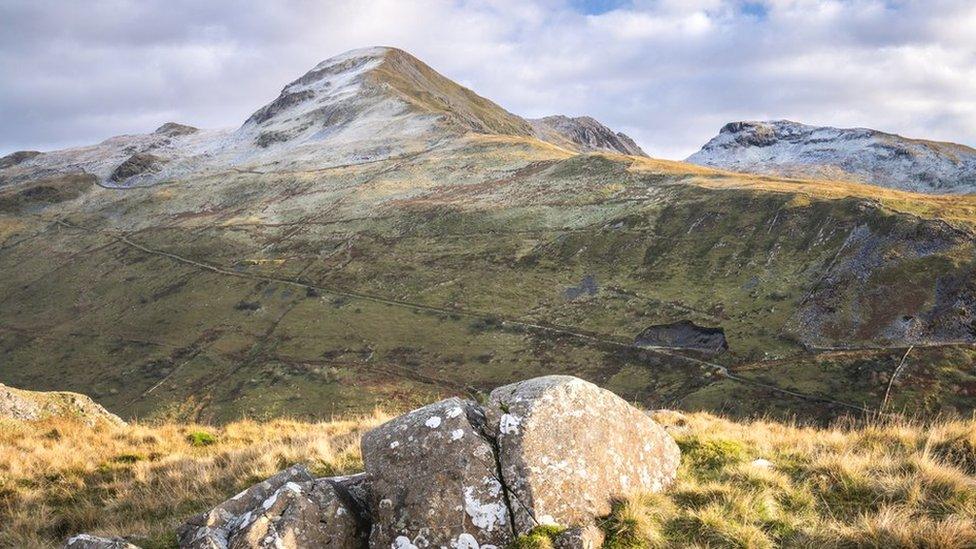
{"x":490,"y":259}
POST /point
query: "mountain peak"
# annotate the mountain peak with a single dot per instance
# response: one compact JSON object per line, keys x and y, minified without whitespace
{"x":785,"y":147}
{"x":383,"y":87}
{"x":359,"y":106}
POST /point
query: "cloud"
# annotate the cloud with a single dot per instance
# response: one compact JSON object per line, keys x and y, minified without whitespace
{"x":668,"y":72}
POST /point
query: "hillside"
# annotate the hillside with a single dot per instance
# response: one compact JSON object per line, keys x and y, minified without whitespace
{"x":749,"y":484}
{"x":406,"y":239}
{"x":782,"y":147}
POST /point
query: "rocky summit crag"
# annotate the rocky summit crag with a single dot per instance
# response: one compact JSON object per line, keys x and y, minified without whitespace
{"x":378,"y":234}
{"x":782,"y":147}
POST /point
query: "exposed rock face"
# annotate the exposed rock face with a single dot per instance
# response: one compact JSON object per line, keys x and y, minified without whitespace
{"x":173,"y":129}
{"x":37,"y":405}
{"x":289,"y":510}
{"x":87,"y":541}
{"x":684,"y":335}
{"x":567,"y":448}
{"x":433,"y":480}
{"x":137,"y":164}
{"x":782,"y":147}
{"x":15,"y":158}
{"x":585,"y":134}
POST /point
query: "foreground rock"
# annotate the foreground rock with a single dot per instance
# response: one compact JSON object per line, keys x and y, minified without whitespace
{"x":567,"y":448}
{"x":289,"y":510}
{"x":551,"y":450}
{"x":87,"y":541}
{"x":433,"y":480}
{"x":37,"y":405}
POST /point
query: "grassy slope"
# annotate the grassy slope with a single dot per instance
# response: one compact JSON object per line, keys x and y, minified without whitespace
{"x":879,"y":484}
{"x":493,"y":228}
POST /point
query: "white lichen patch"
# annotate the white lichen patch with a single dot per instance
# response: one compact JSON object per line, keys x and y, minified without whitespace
{"x":403,"y":542}
{"x":509,"y":424}
{"x":433,"y":422}
{"x":486,"y":516}
{"x":457,"y":434}
{"x":394,"y":444}
{"x":454,"y":412}
{"x":466,"y":541}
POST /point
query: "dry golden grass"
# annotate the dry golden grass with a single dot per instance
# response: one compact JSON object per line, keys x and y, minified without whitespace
{"x":893,"y":484}
{"x":59,"y":477}
{"x":890,"y":484}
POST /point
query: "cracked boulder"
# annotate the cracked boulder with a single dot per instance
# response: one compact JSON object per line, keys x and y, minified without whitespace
{"x":568,"y":448}
{"x":433,"y":480}
{"x":289,"y":510}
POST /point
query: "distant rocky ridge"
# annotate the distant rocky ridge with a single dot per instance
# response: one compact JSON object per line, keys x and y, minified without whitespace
{"x":782,"y":147}
{"x":359,"y":106}
{"x":24,"y":405}
{"x":584,"y":133}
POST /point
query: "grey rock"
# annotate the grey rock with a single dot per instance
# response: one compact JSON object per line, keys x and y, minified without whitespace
{"x":433,"y":480}
{"x":307,"y":514}
{"x":289,"y":510}
{"x":684,"y":334}
{"x":88,"y":541}
{"x":135,"y":165}
{"x":567,"y":448}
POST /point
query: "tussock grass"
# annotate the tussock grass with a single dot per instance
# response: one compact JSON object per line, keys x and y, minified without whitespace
{"x":885,"y":484}
{"x":888,"y":484}
{"x":59,"y":477}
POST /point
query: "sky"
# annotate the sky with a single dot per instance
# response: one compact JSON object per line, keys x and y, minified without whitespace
{"x":669,"y":73}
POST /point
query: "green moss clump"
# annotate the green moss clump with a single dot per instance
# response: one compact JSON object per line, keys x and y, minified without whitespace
{"x":541,"y":537}
{"x":201,"y":438}
{"x":713,"y":453}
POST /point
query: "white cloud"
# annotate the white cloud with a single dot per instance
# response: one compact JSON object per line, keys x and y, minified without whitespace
{"x":669,"y":72}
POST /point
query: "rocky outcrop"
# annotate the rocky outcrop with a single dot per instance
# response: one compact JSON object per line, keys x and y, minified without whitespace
{"x":782,"y":147}
{"x":290,"y":509}
{"x":433,"y":480}
{"x":136,"y":165}
{"x":173,"y":129}
{"x":87,"y":541}
{"x":567,"y":448}
{"x":683,"y":335}
{"x":551,"y":450}
{"x":585,"y":134}
{"x":37,"y":405}
{"x":17,"y":157}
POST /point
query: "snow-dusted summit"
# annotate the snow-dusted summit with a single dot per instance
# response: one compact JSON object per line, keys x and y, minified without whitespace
{"x":363,"y":105}
{"x":782,"y":147}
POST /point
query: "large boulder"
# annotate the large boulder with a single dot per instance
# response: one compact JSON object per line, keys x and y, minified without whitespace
{"x":289,"y":510}
{"x":567,"y":448}
{"x":433,"y":480}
